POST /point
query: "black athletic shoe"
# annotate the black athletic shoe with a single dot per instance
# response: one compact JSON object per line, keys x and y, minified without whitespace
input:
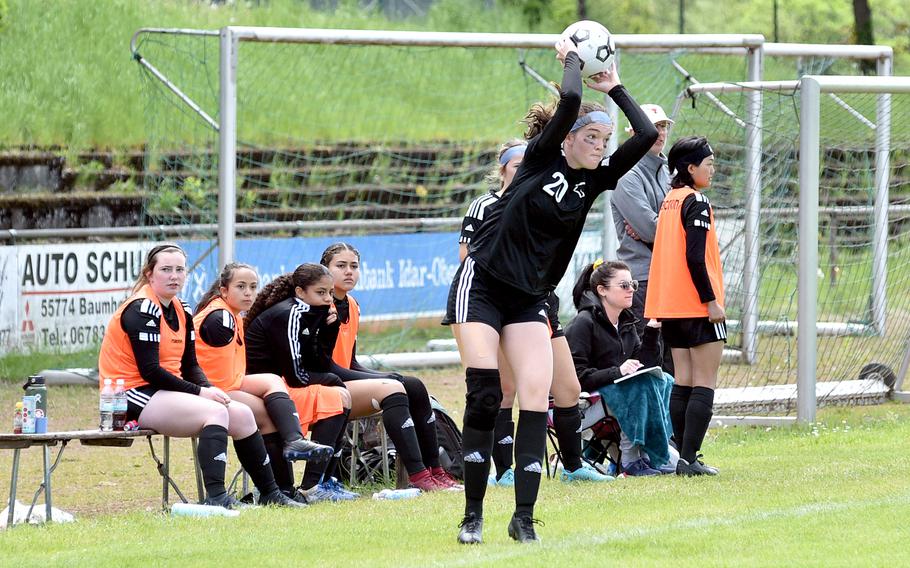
{"x":279,"y":499}
{"x":304,"y":449}
{"x":297,"y":494}
{"x":695,"y":468}
{"x":699,"y":457}
{"x":471,"y":529}
{"x":521,"y":528}
{"x":225,"y":500}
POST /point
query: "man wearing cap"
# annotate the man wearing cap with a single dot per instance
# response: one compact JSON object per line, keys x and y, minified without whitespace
{"x":635,"y":204}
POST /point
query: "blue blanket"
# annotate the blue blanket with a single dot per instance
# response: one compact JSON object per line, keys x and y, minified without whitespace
{"x":642,"y":408}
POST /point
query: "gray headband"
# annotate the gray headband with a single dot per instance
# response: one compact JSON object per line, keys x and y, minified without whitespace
{"x":597,"y":116}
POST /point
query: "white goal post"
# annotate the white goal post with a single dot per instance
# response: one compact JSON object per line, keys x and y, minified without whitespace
{"x":811,"y":89}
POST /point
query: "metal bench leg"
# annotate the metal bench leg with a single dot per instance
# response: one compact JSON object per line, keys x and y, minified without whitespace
{"x":166,"y":475}
{"x":200,"y":485}
{"x":384,"y":448}
{"x":355,"y":451}
{"x":12,"y":488}
{"x":46,"y":484}
{"x":49,"y":515}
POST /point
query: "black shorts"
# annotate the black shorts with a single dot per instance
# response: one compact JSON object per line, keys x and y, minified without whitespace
{"x":136,"y":399}
{"x":683,"y":333}
{"x":553,"y":316}
{"x":476,"y":296}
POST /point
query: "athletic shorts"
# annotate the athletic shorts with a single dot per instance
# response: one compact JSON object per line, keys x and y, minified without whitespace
{"x":315,"y":403}
{"x":136,"y":399}
{"x":683,"y":333}
{"x":476,"y":296}
{"x":556,"y":329}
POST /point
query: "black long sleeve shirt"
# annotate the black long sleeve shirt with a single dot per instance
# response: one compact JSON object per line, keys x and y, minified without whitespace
{"x":293,"y":340}
{"x":531,"y":232}
{"x":696,"y":219}
{"x":136,"y":323}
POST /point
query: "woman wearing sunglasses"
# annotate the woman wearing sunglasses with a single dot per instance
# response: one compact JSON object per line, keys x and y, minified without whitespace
{"x":605,"y":346}
{"x":687,"y":295}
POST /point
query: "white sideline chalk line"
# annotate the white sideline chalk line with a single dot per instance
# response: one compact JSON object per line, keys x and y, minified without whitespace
{"x":697,"y":523}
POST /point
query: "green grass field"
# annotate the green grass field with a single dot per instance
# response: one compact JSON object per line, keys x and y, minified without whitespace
{"x":832,"y":494}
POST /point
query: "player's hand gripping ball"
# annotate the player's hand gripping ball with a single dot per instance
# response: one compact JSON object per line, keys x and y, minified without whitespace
{"x":595,"y":46}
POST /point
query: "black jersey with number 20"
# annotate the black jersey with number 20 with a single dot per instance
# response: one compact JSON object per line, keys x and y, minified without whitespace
{"x":531,"y":233}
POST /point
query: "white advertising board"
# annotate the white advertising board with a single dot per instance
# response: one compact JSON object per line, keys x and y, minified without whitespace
{"x":63,"y":295}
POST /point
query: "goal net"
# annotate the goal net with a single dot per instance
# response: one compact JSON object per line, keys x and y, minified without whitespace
{"x":384,"y":146}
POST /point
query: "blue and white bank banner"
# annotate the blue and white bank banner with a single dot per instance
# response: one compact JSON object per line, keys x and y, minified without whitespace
{"x":401,"y":276}
{"x":61,"y":296}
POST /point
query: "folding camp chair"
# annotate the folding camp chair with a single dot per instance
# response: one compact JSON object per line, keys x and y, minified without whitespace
{"x":600,"y":434}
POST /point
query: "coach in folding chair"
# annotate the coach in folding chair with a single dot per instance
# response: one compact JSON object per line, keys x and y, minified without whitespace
{"x":612,"y":361}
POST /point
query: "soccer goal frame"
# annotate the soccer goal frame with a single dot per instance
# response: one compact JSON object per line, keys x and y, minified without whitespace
{"x":812,"y":88}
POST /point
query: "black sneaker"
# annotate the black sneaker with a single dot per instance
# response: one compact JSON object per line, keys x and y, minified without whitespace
{"x":279,"y":499}
{"x":471,"y":529}
{"x":304,"y":449}
{"x":225,"y":500}
{"x":699,"y":457}
{"x":297,"y":494}
{"x":521,"y":528}
{"x":695,"y":468}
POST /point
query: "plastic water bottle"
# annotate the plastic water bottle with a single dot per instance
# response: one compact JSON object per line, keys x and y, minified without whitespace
{"x":397,"y":493}
{"x":106,"y":406}
{"x":119,"y":405}
{"x":197,"y":510}
{"x":17,"y":419}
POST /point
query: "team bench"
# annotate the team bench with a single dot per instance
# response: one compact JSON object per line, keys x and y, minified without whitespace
{"x":120,"y":439}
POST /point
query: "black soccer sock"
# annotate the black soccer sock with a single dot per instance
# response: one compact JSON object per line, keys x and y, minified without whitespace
{"x":478,"y":445}
{"x":679,"y":400}
{"x":284,"y":415}
{"x":567,"y":424}
{"x":255,"y":460}
{"x":282,"y":469}
{"x":326,"y":432}
{"x":396,"y":417}
{"x":483,"y":398}
{"x":698,"y":418}
{"x":504,"y":441}
{"x":332,"y":466}
{"x":211,"y":453}
{"x":424,"y":420}
{"x":530,"y":446}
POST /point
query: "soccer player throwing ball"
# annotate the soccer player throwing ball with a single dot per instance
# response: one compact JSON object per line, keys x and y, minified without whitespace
{"x":518,"y":256}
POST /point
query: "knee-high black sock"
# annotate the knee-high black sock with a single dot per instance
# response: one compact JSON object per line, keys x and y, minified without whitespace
{"x":567,"y":424}
{"x":477,"y":445}
{"x":396,"y":417}
{"x":530,"y":445}
{"x":424,"y":419}
{"x":284,"y":415}
{"x":282,"y":469}
{"x":504,"y":441}
{"x":482,"y":401}
{"x":326,"y":432}
{"x":211,"y":452}
{"x":698,"y":418}
{"x":679,"y":400}
{"x":332,"y":466}
{"x":255,"y":460}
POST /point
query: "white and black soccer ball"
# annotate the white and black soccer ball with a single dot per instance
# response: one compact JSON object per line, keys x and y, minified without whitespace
{"x":595,"y":46}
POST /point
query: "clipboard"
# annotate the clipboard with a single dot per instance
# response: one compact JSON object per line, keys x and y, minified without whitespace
{"x":656,"y":372}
